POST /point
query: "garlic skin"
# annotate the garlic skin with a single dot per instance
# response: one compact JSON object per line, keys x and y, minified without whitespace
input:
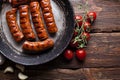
{"x":21,"y":76}
{"x":9,"y":69}
{"x":2,"y":59}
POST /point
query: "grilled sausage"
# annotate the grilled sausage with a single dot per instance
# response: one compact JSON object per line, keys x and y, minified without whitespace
{"x":37,"y":21}
{"x":38,"y":46}
{"x":13,"y":26}
{"x":16,"y":3}
{"x":25,"y":23}
{"x":48,"y":16}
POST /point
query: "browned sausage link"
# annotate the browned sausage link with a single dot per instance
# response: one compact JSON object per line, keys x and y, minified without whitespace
{"x":16,"y":3}
{"x":25,"y":22}
{"x":38,"y":46}
{"x":13,"y":26}
{"x":37,"y":21}
{"x":48,"y":16}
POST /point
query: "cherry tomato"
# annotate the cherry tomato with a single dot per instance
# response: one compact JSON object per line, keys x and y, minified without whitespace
{"x":91,"y":16}
{"x":80,"y":54}
{"x":87,"y":26}
{"x":79,"y":20}
{"x":68,"y":54}
{"x":73,"y":45}
{"x":86,"y":35}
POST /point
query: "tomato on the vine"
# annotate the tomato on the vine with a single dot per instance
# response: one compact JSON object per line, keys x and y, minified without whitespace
{"x":75,"y":33}
{"x":80,"y":54}
{"x":91,"y":16}
{"x":73,"y":45}
{"x":87,"y":26}
{"x":68,"y":54}
{"x":86,"y":36}
{"x":79,"y":20}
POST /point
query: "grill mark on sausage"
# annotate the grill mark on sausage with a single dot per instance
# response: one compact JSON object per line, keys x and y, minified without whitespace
{"x":38,"y":46}
{"x":37,"y":21}
{"x":47,"y":14}
{"x":25,"y":22}
{"x":13,"y":25}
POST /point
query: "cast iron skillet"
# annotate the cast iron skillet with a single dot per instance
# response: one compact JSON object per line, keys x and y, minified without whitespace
{"x":60,"y":44}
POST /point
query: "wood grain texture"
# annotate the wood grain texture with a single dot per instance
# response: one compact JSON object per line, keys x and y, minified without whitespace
{"x":103,"y":50}
{"x":108,"y":14}
{"x":67,"y":74}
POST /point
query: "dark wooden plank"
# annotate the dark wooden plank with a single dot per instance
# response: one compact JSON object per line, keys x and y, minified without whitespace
{"x":67,"y":74}
{"x":103,"y":48}
{"x":108,"y":12}
{"x":102,"y":51}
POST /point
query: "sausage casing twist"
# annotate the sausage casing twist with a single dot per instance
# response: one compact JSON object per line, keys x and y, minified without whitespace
{"x":48,"y":16}
{"x":13,"y":25}
{"x":25,"y":22}
{"x":37,"y":20}
{"x":38,"y":46}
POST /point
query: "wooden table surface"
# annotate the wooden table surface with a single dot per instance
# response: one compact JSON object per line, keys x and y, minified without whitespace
{"x":103,"y":51}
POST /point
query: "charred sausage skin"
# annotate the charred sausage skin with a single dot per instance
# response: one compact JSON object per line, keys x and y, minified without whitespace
{"x":37,"y":20}
{"x":48,"y":16}
{"x":13,"y":25}
{"x":38,"y":46}
{"x":25,"y":22}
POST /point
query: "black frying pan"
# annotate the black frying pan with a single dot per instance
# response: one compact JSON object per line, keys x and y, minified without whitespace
{"x":65,"y":21}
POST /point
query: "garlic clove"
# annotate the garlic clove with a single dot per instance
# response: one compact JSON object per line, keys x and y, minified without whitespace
{"x":9,"y":69}
{"x":21,"y":76}
{"x":20,"y":67}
